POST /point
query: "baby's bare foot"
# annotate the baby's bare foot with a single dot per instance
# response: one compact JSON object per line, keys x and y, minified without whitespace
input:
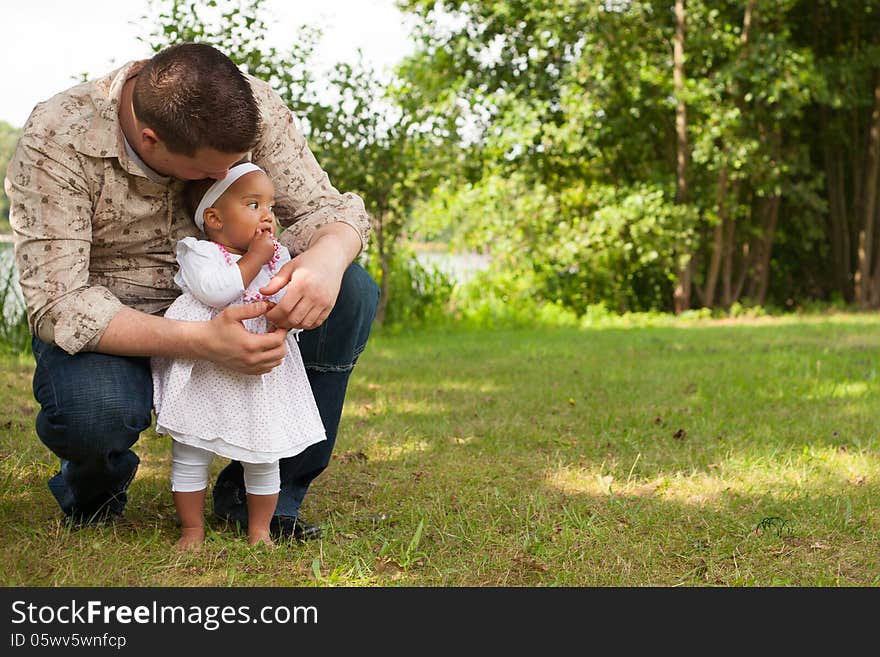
{"x":257,"y":538}
{"x":190,"y":539}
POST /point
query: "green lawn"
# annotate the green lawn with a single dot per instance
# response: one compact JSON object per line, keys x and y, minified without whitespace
{"x":697,"y":455}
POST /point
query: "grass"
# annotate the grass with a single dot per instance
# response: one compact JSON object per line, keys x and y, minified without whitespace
{"x":694,"y":455}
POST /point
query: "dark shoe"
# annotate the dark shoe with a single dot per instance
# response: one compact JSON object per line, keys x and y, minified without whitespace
{"x":101,"y":518}
{"x":284,"y":527}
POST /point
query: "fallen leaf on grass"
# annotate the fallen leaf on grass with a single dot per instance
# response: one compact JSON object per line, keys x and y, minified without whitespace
{"x":680,"y":434}
{"x":819,"y":546}
{"x":387,"y":566}
{"x":347,"y":457}
{"x":859,"y":480}
{"x":530,"y":562}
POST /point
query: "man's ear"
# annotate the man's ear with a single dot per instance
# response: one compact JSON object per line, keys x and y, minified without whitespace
{"x":212,"y":219}
{"x":149,"y":139}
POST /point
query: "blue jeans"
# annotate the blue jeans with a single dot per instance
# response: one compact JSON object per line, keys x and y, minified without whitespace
{"x":94,"y":406}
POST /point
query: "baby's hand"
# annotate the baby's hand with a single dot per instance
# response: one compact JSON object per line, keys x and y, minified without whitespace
{"x":263,"y":245}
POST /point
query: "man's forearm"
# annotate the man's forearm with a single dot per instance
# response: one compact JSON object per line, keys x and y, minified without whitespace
{"x":133,"y":333}
{"x":347,"y":241}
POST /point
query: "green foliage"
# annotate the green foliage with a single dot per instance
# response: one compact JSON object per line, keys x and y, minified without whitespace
{"x":568,"y":96}
{"x":419,"y":295}
{"x":8,"y":140}
{"x":584,"y":245}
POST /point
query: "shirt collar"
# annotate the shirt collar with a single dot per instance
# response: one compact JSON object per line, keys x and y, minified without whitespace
{"x":148,"y":171}
{"x":103,"y":137}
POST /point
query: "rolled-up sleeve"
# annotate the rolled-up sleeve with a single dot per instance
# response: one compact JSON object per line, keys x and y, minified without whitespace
{"x":305,"y":199}
{"x":50,"y":214}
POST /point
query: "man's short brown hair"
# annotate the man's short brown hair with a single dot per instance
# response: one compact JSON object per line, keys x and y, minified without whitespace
{"x":193,"y":96}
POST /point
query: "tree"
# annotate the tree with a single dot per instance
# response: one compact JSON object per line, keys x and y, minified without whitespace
{"x":356,"y":128}
{"x":574,"y":96}
{"x":373,"y":147}
{"x":682,"y":294}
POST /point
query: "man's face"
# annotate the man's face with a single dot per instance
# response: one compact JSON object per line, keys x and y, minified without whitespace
{"x":206,"y":163}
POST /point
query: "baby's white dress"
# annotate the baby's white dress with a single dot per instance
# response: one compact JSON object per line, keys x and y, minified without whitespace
{"x":246,"y":417}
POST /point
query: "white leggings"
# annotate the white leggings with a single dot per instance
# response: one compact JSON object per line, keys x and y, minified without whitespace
{"x":189,"y":471}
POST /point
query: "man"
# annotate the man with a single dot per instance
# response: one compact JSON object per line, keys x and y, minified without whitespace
{"x":95,"y":194}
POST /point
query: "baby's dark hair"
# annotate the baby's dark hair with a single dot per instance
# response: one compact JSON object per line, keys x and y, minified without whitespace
{"x":194,"y":190}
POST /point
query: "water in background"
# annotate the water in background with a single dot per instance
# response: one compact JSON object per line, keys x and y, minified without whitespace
{"x":459,"y":267}
{"x":10,"y":292}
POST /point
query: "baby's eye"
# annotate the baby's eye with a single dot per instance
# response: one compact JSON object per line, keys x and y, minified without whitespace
{"x":272,"y":209}
{"x":253,"y":204}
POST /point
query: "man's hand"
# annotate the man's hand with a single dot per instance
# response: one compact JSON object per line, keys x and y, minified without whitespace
{"x":228,"y":343}
{"x":313,"y":279}
{"x":313,"y":282}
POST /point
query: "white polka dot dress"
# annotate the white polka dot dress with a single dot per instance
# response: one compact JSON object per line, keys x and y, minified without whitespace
{"x":250,"y":418}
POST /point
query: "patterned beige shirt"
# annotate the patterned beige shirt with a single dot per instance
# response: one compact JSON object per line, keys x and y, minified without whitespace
{"x":94,"y":233}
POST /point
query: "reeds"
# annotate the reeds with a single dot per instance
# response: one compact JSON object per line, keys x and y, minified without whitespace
{"x":15,"y":336}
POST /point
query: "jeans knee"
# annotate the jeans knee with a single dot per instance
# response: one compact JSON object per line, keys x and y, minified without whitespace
{"x":336,"y":344}
{"x":91,"y":432}
{"x":358,"y":298}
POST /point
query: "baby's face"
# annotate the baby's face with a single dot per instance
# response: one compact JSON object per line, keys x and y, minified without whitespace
{"x":245,"y":209}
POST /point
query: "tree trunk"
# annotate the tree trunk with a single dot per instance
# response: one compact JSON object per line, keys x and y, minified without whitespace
{"x":384,"y":272}
{"x":762,"y":274}
{"x":747,"y":22}
{"x":838,"y":223}
{"x":682,"y":294}
{"x":872,"y":180}
{"x":717,"y":241}
{"x":747,"y":258}
{"x":769,"y":216}
{"x":727,"y":261}
{"x":865,"y":239}
{"x":730,"y":291}
{"x":847,"y":227}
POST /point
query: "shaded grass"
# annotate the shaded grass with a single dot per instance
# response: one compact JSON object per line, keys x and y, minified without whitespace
{"x":695,"y":455}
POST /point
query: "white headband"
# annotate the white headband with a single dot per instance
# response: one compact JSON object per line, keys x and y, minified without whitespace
{"x":216,"y":190}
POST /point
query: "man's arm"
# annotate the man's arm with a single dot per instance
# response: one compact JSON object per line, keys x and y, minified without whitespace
{"x":223,"y":340}
{"x":50,"y":216}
